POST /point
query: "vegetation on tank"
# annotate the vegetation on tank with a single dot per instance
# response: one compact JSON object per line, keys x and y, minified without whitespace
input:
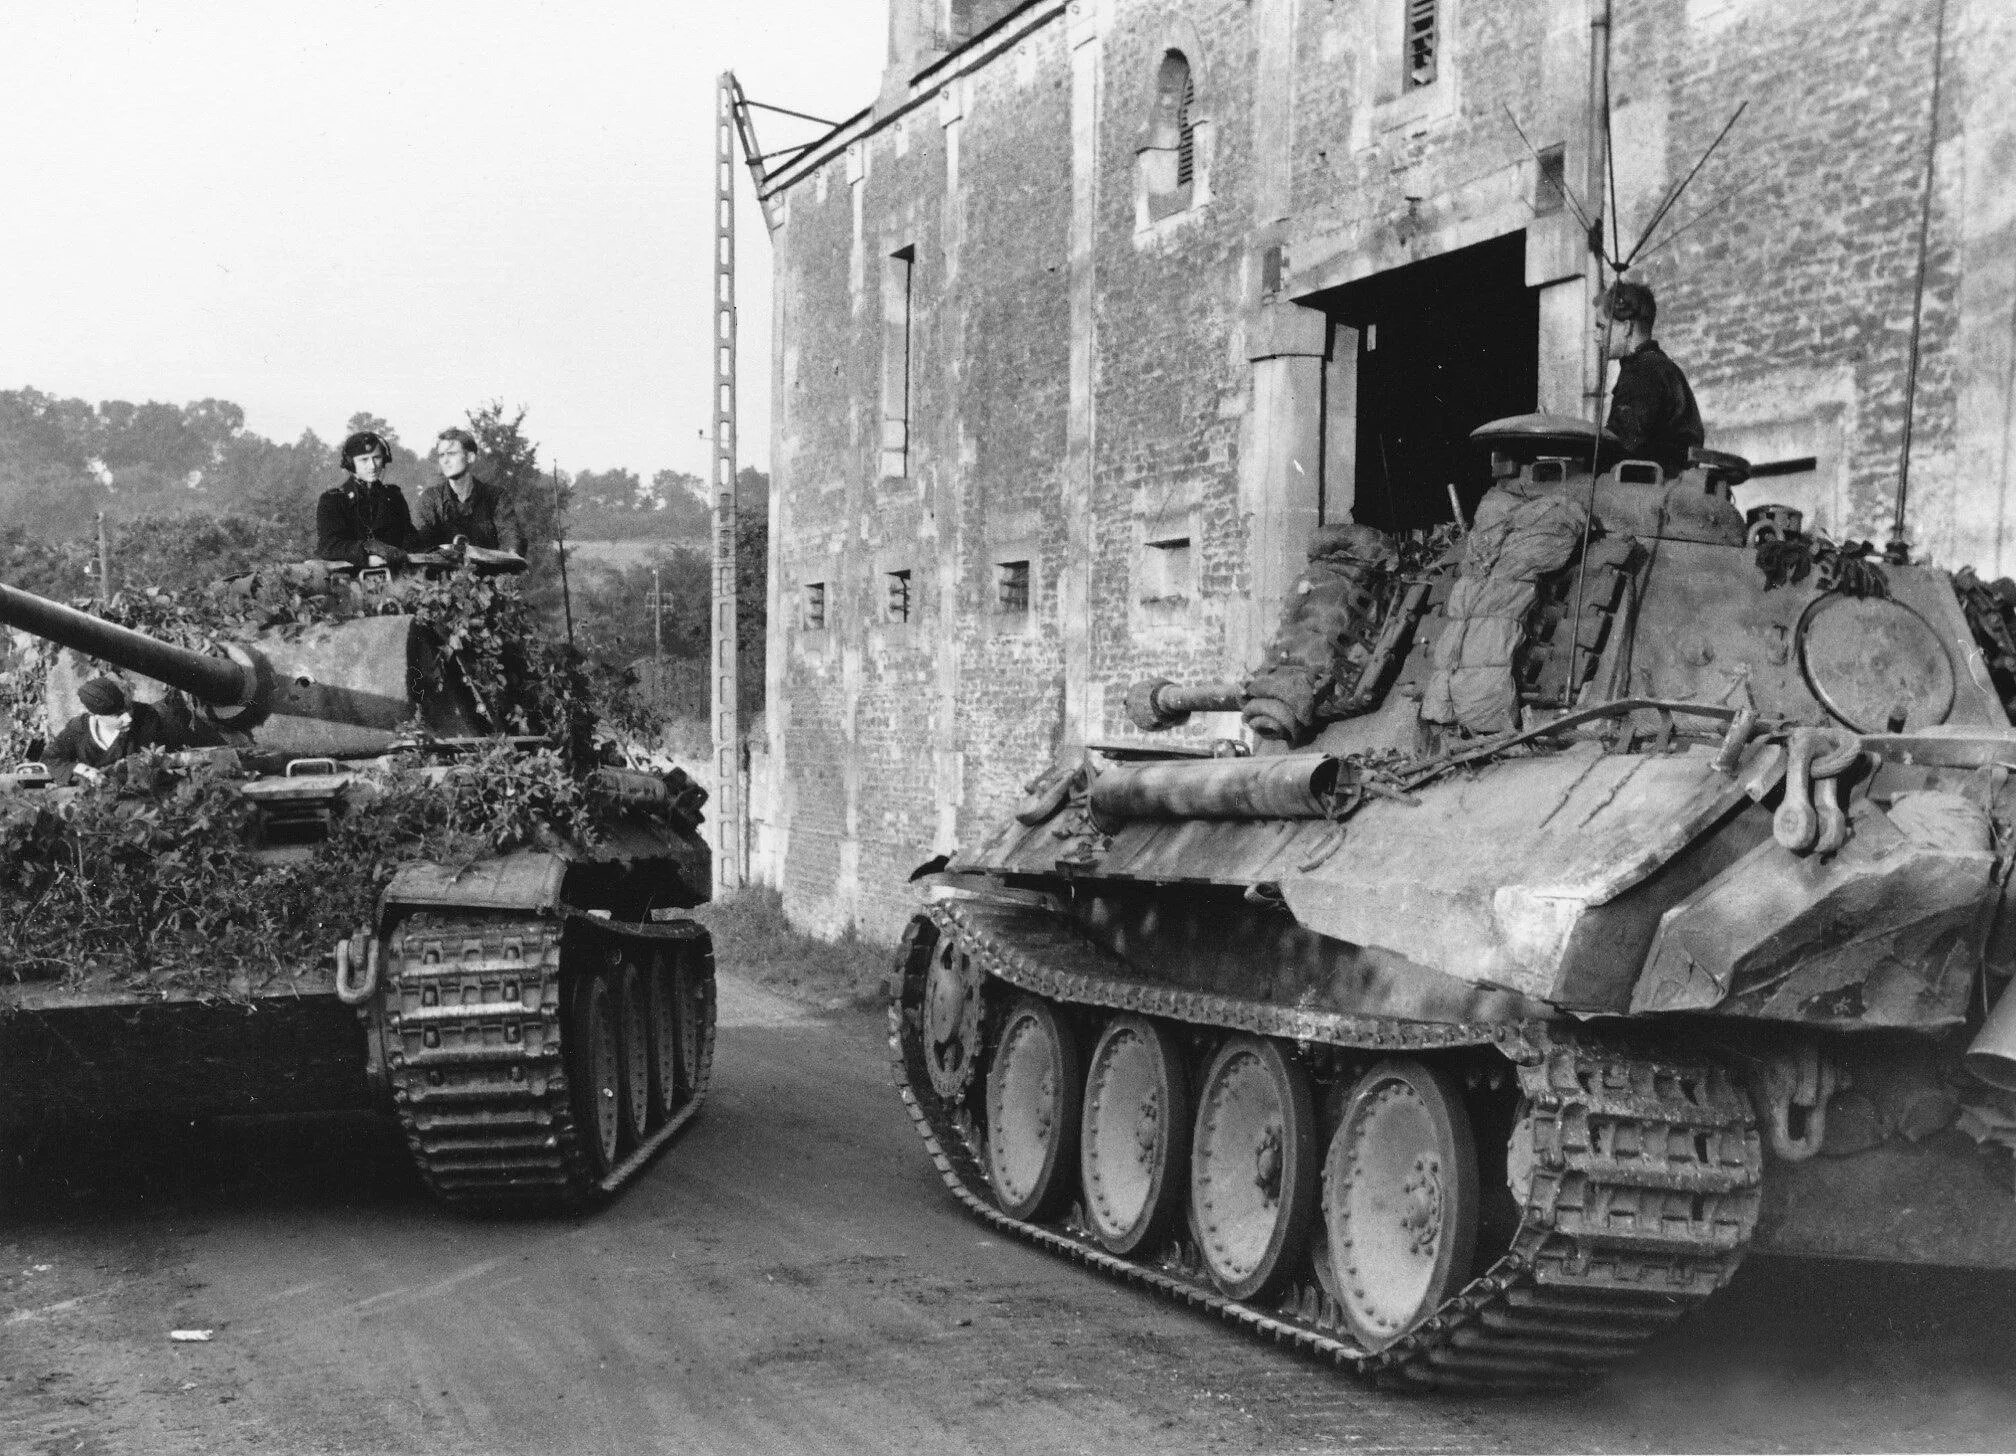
{"x":150,"y":879}
{"x":160,"y":888}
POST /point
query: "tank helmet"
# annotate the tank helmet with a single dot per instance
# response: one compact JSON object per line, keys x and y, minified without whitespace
{"x":364,"y":442}
{"x":1628,"y":303}
{"x":104,"y":696}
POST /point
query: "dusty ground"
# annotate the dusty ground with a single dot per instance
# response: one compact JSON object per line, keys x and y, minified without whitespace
{"x":792,"y":1277}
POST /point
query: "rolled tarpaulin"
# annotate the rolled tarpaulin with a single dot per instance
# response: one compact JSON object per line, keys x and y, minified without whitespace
{"x":1285,"y":786}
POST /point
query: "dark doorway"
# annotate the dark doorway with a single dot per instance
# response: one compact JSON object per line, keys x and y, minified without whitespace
{"x":1442,"y":346}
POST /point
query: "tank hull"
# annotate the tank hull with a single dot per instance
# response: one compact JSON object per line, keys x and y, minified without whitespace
{"x":1484,"y":930}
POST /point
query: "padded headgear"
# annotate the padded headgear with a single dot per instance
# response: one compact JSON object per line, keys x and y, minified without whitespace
{"x":104,"y":696}
{"x":364,"y":442}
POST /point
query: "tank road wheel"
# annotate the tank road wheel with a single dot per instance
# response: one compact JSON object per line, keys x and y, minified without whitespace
{"x":1033,"y":1092}
{"x":634,"y":1022}
{"x":1134,"y":1145}
{"x":595,"y":1072}
{"x":661,"y":1007}
{"x":1253,"y":1167}
{"x":1400,"y":1196}
{"x":693,"y":1008}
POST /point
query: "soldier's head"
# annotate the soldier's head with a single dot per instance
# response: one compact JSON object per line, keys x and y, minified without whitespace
{"x":365,"y":455}
{"x":106,"y":698}
{"x":455,"y":452}
{"x":1625,"y":313}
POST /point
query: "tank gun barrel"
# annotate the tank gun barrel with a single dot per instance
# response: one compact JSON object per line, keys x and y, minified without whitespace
{"x":220,"y":682}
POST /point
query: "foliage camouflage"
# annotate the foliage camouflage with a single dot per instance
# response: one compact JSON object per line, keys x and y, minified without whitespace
{"x":161,"y":890}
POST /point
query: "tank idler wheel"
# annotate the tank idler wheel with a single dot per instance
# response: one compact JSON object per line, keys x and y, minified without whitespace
{"x":595,"y":1071}
{"x":661,"y":1006}
{"x":1253,"y":1168}
{"x":1134,"y":1147}
{"x":633,"y":1002}
{"x":1400,"y":1198}
{"x":1033,"y":1092}
{"x":952,"y":1011}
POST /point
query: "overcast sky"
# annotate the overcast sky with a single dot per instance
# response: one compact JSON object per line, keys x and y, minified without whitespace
{"x":399,"y":207}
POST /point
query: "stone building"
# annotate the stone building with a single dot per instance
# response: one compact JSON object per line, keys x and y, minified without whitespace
{"x":1103,"y":305}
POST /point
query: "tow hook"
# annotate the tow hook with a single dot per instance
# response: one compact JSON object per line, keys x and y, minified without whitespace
{"x":361,"y":947}
{"x":1810,"y":816}
{"x":1793,"y":1091}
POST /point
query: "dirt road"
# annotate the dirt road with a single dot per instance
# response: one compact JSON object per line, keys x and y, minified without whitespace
{"x":792,"y":1277}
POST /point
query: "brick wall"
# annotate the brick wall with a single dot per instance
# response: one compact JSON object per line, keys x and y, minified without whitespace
{"x":1790,"y":306}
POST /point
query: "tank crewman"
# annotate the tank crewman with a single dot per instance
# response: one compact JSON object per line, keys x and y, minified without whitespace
{"x":363,"y":521}
{"x":111,"y":726}
{"x":1652,"y":409}
{"x":461,"y":508}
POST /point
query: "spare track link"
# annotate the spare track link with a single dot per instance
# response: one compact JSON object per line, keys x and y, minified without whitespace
{"x":1644,"y":1190}
{"x":473,"y":1011}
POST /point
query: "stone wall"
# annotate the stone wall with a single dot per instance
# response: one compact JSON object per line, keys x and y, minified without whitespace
{"x":1134,"y":389}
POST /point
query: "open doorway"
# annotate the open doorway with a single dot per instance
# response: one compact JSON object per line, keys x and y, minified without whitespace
{"x":1442,"y":346}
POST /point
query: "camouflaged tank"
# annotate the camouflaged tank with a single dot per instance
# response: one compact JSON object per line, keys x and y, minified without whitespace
{"x":539,"y":1019}
{"x":1599,"y":893}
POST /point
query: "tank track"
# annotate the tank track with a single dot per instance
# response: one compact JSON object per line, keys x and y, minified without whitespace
{"x":471,"y":1017}
{"x":1644,"y":1174}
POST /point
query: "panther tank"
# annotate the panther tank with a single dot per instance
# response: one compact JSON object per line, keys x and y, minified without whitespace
{"x":1597,"y":892}
{"x":536,"y":1010}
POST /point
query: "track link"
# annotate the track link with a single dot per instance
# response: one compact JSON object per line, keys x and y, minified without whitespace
{"x":1640,"y":1172}
{"x":473,"y":1019}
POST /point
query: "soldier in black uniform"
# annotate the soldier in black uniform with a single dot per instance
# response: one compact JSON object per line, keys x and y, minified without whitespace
{"x":111,"y":726}
{"x":364,"y":520}
{"x":460,"y":508}
{"x":1652,"y":410}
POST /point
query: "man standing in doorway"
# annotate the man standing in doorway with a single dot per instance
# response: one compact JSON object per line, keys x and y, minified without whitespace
{"x":1652,"y":410}
{"x":459,"y":508}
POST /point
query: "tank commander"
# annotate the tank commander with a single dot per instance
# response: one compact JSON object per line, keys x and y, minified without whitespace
{"x":112,"y":726}
{"x":461,"y":509}
{"x":363,"y":521}
{"x":1652,"y":410}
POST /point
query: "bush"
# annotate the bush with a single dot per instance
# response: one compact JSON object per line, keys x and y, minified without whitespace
{"x":753,"y":940}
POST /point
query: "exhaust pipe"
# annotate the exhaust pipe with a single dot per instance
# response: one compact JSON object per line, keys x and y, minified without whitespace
{"x":1992,"y":1055}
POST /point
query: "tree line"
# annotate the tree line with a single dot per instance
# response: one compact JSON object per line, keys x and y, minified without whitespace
{"x":188,"y":495}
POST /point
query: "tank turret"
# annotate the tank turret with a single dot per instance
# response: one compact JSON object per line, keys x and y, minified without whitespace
{"x":338,"y":689}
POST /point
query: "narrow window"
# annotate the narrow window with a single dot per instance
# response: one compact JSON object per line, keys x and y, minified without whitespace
{"x":897,"y":608}
{"x":1168,"y":159}
{"x":896,"y":347}
{"x":1186,"y":133}
{"x":1165,"y":569}
{"x":814,"y":617}
{"x":1423,"y":41}
{"x":1011,"y":586}
{"x":1551,"y":187}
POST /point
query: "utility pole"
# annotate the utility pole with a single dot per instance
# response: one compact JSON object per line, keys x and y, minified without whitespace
{"x":560,"y":548}
{"x":656,"y":601}
{"x":728,"y":817}
{"x":104,"y":561}
{"x":729,"y":812}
